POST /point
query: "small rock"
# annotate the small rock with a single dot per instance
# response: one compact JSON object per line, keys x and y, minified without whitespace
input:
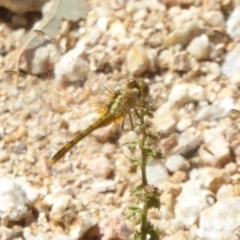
{"x":140,"y":14}
{"x":212,"y":113}
{"x":171,"y":188}
{"x":168,"y":144}
{"x":102,"y":23}
{"x":14,"y":204}
{"x":36,"y":60}
{"x":165,"y":120}
{"x":6,"y":233}
{"x":127,"y":137}
{"x":189,"y":211}
{"x":82,"y":225}
{"x":225,"y":191}
{"x":60,"y":236}
{"x":211,"y":178}
{"x":233,"y":23}
{"x":105,"y":133}
{"x":108,"y":150}
{"x":20,"y":132}
{"x":165,"y":59}
{"x":4,"y":156}
{"x":155,"y":40}
{"x":184,"y":35}
{"x":100,"y":167}
{"x":184,"y":124}
{"x":214,"y":18}
{"x":156,"y":173}
{"x":220,"y":148}
{"x":231,"y":168}
{"x":112,"y":227}
{"x":94,"y":36}
{"x":176,"y":225}
{"x":24,"y":6}
{"x":43,"y":220}
{"x":28,"y":234}
{"x":235,"y":80}
{"x":221,"y":221}
{"x":226,"y":95}
{"x":179,"y":177}
{"x":64,"y":207}
{"x":200,"y":47}
{"x":231,"y":65}
{"x":177,"y":163}
{"x":60,"y":71}
{"x":180,"y":235}
{"x":181,"y":94}
{"x":180,"y":62}
{"x":117,"y":30}
{"x":32,"y":193}
{"x":152,"y":57}
{"x":137,"y":61}
{"x":211,"y":5}
{"x":106,"y":186}
{"x":215,"y":69}
{"x":168,"y":201}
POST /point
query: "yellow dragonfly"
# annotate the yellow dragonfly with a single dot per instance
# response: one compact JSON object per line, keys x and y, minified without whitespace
{"x":46,"y":61}
{"x":112,"y":105}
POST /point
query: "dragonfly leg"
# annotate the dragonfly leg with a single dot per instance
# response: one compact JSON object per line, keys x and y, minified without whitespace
{"x":131,"y":121}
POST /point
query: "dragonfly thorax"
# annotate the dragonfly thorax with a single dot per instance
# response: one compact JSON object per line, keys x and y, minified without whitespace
{"x":132,"y":96}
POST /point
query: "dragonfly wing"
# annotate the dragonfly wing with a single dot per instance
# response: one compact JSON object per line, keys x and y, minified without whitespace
{"x":68,"y":73}
{"x":185,"y":131}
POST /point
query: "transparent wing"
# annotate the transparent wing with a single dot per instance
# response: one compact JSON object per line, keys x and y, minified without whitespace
{"x":189,"y":131}
{"x":63,"y":76}
{"x":184,"y":136}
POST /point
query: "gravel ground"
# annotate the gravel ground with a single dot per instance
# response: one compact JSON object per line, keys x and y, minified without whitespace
{"x":189,"y":55}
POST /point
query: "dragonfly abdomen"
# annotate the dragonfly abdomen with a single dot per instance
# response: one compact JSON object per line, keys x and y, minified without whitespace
{"x":103,"y":121}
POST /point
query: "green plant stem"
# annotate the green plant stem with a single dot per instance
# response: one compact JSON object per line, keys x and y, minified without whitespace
{"x":144,"y":224}
{"x":144,"y":163}
{"x":148,"y":195}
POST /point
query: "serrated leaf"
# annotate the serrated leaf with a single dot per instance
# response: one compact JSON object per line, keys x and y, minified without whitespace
{"x":133,"y":169}
{"x":134,"y":160}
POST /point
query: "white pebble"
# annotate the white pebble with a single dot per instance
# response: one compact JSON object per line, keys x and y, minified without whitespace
{"x":137,"y":61}
{"x":4,"y":156}
{"x":214,"y":18}
{"x":102,"y":23}
{"x":117,"y":30}
{"x":14,"y":204}
{"x":233,"y":23}
{"x":200,"y":47}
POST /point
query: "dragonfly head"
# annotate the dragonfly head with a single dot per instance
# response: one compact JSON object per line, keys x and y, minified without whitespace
{"x":139,"y":89}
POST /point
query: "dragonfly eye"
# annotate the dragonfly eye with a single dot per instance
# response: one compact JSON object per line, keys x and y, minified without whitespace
{"x":141,"y":86}
{"x":144,"y":89}
{"x":133,"y":84}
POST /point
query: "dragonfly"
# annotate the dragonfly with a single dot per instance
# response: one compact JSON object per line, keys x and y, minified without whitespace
{"x":112,"y":105}
{"x":47,"y":60}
